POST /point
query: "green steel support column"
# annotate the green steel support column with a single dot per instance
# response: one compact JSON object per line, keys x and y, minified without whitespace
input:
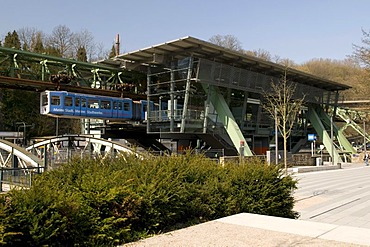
{"x":343,"y":141}
{"x":349,"y":122}
{"x":321,"y":131}
{"x":226,"y":117}
{"x":44,"y":70}
{"x":186,"y":99}
{"x":347,"y":146}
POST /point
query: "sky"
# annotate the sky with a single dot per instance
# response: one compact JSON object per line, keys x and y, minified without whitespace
{"x":300,"y":30}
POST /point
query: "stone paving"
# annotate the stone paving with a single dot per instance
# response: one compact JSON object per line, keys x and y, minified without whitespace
{"x":340,"y":197}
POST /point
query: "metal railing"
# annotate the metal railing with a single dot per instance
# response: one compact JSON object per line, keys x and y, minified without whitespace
{"x":18,"y":177}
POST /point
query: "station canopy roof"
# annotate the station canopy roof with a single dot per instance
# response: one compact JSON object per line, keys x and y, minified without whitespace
{"x":189,"y":46}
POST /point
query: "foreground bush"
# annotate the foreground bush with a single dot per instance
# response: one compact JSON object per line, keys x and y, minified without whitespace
{"x":108,"y":202}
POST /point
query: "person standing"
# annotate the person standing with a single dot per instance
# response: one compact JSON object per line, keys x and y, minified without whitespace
{"x":366,"y":159}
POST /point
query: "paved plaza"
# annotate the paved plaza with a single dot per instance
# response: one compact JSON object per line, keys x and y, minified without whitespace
{"x":340,"y":197}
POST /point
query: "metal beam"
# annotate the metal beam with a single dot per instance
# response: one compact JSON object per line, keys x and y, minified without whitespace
{"x":322,"y":132}
{"x":226,"y":117}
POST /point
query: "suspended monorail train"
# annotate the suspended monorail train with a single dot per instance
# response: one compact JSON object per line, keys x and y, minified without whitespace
{"x":75,"y":105}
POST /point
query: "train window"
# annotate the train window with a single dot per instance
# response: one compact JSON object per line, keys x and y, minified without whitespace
{"x":119,"y":105}
{"x":93,"y":103}
{"x":68,"y":101}
{"x":83,"y":102}
{"x":55,"y":100}
{"x":44,"y":99}
{"x":105,"y":104}
{"x":77,"y":102}
{"x":115,"y":105}
{"x":126,"y":106}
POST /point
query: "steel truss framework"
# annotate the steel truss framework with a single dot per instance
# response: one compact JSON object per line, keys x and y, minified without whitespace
{"x":61,"y":149}
{"x":12,"y":156}
{"x":41,"y":67}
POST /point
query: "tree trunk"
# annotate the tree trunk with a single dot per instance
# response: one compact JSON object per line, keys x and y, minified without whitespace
{"x":285,"y":156}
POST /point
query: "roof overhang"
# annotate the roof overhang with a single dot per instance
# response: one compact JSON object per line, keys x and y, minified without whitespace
{"x":189,"y":46}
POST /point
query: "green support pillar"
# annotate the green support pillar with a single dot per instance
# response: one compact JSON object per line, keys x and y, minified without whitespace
{"x":226,"y":117}
{"x":319,"y":127}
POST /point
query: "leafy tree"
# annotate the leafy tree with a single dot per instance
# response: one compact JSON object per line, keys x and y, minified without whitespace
{"x":283,"y":107}
{"x":12,"y":40}
{"x":37,"y":43}
{"x":81,"y":54}
{"x":112,"y":52}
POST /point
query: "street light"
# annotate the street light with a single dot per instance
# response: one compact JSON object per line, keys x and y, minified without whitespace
{"x":24,"y":130}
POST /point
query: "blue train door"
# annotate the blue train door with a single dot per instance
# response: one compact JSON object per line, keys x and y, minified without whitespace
{"x":83,"y":107}
{"x":115,"y":108}
{"x":77,"y":105}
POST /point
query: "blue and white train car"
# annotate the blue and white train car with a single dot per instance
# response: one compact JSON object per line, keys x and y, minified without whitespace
{"x":74,"y":105}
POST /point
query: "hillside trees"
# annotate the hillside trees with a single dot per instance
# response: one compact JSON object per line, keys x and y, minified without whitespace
{"x":343,"y":71}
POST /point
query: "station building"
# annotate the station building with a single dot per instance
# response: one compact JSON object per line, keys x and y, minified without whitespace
{"x":209,"y":97}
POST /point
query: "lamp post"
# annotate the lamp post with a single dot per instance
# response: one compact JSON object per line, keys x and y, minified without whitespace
{"x":24,"y":131}
{"x":24,"y":126}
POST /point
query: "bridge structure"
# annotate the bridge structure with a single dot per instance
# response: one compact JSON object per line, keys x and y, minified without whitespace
{"x":209,"y":96}
{"x":18,"y":164}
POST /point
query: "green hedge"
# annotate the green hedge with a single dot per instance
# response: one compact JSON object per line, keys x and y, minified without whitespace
{"x":109,"y":202}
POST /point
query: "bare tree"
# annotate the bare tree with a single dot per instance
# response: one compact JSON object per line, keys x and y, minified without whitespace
{"x":28,"y":37}
{"x":283,"y":106}
{"x":362,"y":52}
{"x":260,"y":53}
{"x":101,"y":52}
{"x":284,"y":61}
{"x":84,"y":39}
{"x":61,"y":39}
{"x":227,"y":41}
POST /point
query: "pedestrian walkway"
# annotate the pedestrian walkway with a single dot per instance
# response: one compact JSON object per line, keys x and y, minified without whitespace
{"x":259,"y":230}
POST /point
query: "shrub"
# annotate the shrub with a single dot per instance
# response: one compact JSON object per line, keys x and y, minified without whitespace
{"x":108,"y":202}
